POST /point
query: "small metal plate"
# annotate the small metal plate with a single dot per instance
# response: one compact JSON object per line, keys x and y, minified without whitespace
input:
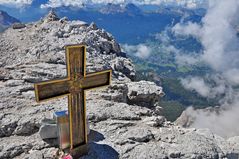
{"x":62,"y":120}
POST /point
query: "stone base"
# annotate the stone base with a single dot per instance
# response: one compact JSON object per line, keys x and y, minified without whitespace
{"x":48,"y":129}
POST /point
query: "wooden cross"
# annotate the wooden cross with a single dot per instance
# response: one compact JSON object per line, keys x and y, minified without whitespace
{"x":74,"y":86}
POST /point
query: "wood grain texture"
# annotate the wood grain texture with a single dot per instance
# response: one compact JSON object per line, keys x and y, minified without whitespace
{"x":74,"y":85}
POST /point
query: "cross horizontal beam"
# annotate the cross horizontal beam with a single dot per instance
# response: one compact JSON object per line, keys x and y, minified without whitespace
{"x":57,"y":88}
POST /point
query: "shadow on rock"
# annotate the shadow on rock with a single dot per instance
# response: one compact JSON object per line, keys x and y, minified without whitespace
{"x":52,"y":142}
{"x":233,"y":155}
{"x":95,"y":136}
{"x":101,"y":151}
{"x":96,"y":150}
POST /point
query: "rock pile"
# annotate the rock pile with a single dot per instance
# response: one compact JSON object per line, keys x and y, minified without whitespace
{"x":18,"y":26}
{"x":125,"y":119}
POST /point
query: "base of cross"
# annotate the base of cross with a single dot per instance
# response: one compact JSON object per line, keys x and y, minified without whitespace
{"x":57,"y":130}
{"x":79,"y":151}
{"x":73,"y":153}
{"x":62,"y":121}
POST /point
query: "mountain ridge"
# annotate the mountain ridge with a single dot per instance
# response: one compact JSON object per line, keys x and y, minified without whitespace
{"x":125,"y":119}
{"x":128,"y":8}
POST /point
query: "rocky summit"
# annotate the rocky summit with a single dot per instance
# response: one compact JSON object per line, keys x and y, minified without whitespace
{"x":125,"y":119}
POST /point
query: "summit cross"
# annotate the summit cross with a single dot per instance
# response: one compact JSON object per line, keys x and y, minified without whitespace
{"x":74,"y":86}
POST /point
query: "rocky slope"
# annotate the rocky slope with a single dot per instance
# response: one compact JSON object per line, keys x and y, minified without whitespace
{"x":125,"y":119}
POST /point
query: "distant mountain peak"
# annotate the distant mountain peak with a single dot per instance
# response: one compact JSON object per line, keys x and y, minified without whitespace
{"x":6,"y":20}
{"x":51,"y":16}
{"x":132,"y":8}
{"x":128,"y":8}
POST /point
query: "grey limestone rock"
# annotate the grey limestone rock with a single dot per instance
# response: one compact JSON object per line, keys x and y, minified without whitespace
{"x":125,"y":120}
{"x":154,"y":121}
{"x":103,"y":110}
{"x":18,"y":26}
{"x":12,"y":83}
{"x":26,"y":126}
{"x":144,"y":93}
{"x":51,"y":16}
{"x":139,"y":135}
{"x":124,"y":66}
{"x":48,"y":129}
{"x":116,"y":92}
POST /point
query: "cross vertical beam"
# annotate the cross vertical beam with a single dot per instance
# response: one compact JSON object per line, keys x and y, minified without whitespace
{"x":76,"y":65}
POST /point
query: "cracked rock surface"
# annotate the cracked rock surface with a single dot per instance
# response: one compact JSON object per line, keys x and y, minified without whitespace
{"x":125,"y":118}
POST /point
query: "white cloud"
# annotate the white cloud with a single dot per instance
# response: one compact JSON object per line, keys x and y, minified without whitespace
{"x":190,"y":28}
{"x":232,"y":76}
{"x":181,"y":58}
{"x":108,"y":1}
{"x":185,"y":59}
{"x":141,"y":50}
{"x":17,"y":3}
{"x":191,"y":5}
{"x":66,"y":3}
{"x":218,"y":36}
{"x":221,"y":122}
{"x":78,"y":3}
{"x":197,"y":84}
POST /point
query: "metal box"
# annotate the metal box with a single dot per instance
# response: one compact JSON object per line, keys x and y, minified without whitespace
{"x":62,"y":121}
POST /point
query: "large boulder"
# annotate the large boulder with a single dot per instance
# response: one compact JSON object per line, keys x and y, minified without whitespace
{"x":144,"y":93}
{"x":18,"y":26}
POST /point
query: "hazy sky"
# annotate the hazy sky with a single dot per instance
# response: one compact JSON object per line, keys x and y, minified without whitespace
{"x":78,"y":3}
